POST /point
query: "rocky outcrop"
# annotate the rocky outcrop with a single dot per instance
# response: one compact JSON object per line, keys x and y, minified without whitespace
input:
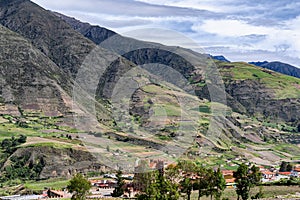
{"x":60,"y":162}
{"x":52,"y":36}
{"x":96,"y":34}
{"x":30,"y":81}
{"x":258,"y":100}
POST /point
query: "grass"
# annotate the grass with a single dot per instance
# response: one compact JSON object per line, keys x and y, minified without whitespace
{"x":151,"y":88}
{"x":284,"y":86}
{"x":49,"y":144}
{"x":288,"y":148}
{"x":9,"y":129}
{"x":167,"y":109}
{"x":57,"y":184}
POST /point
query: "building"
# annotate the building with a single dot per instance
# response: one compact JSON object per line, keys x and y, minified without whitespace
{"x":57,"y":194}
{"x":295,"y":173}
{"x":228,"y":176}
{"x":23,"y":197}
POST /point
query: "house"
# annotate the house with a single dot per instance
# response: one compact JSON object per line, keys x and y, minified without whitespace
{"x":295,"y":174}
{"x":268,"y":176}
{"x":23,"y":197}
{"x":230,"y":183}
{"x":228,"y":176}
{"x":57,"y":194}
{"x":285,"y":173}
{"x":227,"y":173}
{"x":104,"y":184}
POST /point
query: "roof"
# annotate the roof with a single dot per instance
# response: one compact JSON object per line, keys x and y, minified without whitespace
{"x":268,"y":173}
{"x":231,"y":180}
{"x":297,"y":169}
{"x":284,"y":173}
{"x":58,"y":192}
{"x":227,"y":172}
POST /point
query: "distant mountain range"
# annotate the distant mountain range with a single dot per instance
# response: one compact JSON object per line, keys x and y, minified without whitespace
{"x":279,"y":67}
{"x":276,"y":66}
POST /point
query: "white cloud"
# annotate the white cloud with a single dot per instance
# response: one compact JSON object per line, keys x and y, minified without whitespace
{"x":244,"y":26}
{"x":232,"y":28}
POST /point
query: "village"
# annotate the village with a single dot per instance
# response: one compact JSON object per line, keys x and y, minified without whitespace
{"x":103,"y":186}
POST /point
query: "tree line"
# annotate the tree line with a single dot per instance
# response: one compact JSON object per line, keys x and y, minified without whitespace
{"x":184,"y":178}
{"x":177,"y":181}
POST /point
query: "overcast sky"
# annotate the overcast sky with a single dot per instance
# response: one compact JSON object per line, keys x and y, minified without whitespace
{"x":241,"y":30}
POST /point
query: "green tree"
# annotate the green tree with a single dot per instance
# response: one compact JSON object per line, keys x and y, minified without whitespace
{"x":285,"y":167}
{"x":245,"y":179}
{"x":219,"y":183}
{"x":119,"y":189}
{"x":210,"y":183}
{"x":156,"y":184}
{"x":147,"y":185}
{"x":188,"y":170}
{"x":79,"y":186}
{"x":171,"y":177}
{"x":202,"y":181}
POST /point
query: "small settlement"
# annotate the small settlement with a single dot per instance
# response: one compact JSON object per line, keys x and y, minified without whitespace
{"x":103,"y":186}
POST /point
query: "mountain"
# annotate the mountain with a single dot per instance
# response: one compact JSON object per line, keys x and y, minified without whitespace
{"x":279,"y":67}
{"x":52,"y":36}
{"x":220,"y":58}
{"x":30,"y":81}
{"x":96,"y":34}
{"x":88,"y":108}
{"x":256,"y":105}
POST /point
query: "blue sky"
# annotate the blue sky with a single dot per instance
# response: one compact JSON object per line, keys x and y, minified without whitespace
{"x":241,"y":30}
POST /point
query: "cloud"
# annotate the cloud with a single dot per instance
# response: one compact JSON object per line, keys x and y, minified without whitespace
{"x":238,"y":25}
{"x":233,"y":28}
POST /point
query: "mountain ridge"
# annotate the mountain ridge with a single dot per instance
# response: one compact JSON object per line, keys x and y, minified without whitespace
{"x":280,"y":67}
{"x":263,"y":106}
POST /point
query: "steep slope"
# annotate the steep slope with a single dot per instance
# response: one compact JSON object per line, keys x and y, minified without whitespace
{"x":33,"y":98}
{"x":30,"y":82}
{"x":152,"y":121}
{"x":279,"y":67}
{"x":262,"y":92}
{"x":96,"y":34}
{"x":267,"y":99}
{"x":51,"y":35}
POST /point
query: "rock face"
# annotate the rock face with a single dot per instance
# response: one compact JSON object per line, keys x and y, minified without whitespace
{"x":60,"y":162}
{"x":96,"y":34}
{"x":30,"y":81}
{"x":47,"y":32}
{"x":246,"y":96}
{"x":262,"y":102}
{"x":41,"y":53}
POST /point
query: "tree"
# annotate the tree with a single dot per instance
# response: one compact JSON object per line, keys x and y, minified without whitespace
{"x":202,"y":182}
{"x":210,"y":187}
{"x":245,"y":179}
{"x":79,"y":186}
{"x":147,"y":185}
{"x":22,"y":139}
{"x":219,"y":184}
{"x":119,"y":189}
{"x":285,"y":167}
{"x":188,"y":170}
{"x":187,"y":186}
{"x":156,"y":184}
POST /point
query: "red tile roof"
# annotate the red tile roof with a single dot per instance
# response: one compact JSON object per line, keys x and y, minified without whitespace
{"x":268,"y":173}
{"x":230,"y":180}
{"x":284,"y":173}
